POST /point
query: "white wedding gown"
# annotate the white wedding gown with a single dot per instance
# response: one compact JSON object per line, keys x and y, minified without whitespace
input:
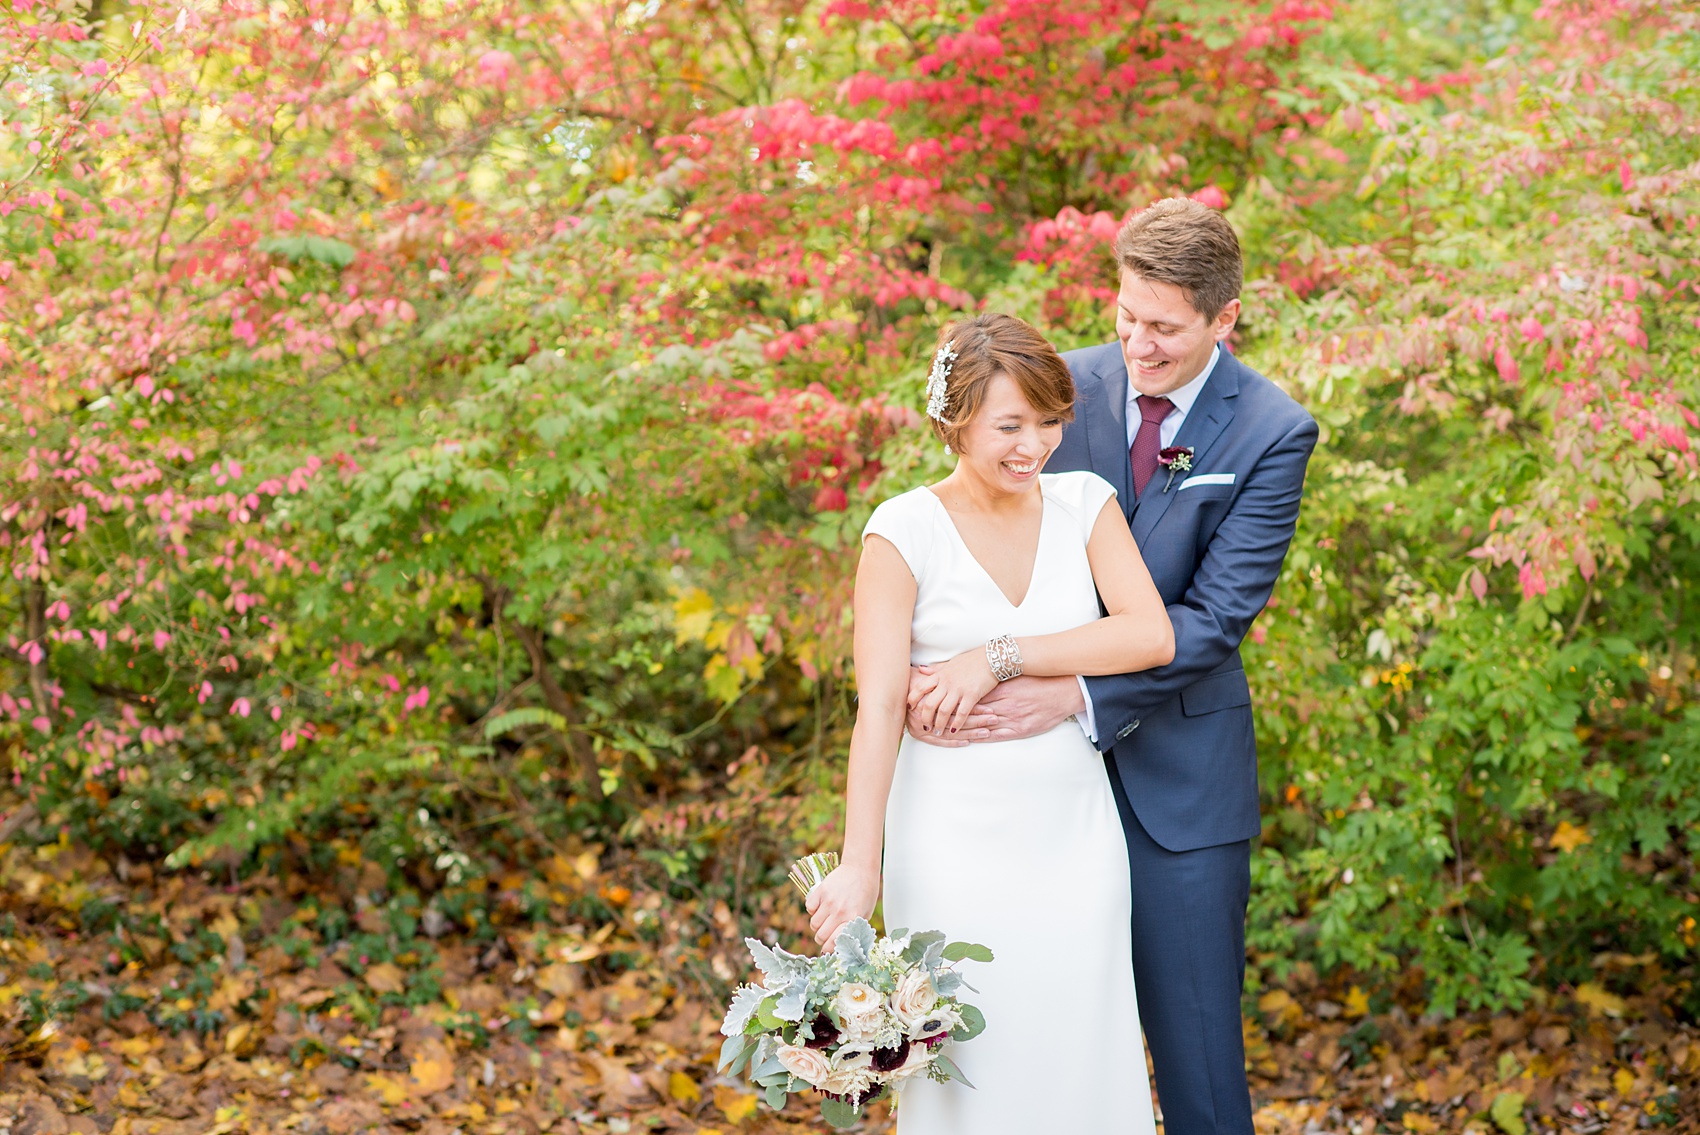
{"x":1016,"y":845}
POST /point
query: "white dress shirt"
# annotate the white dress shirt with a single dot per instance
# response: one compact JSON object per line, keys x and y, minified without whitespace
{"x":1167,"y":431}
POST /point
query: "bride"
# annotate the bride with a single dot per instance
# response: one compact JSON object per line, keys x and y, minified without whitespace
{"x":996,"y":571}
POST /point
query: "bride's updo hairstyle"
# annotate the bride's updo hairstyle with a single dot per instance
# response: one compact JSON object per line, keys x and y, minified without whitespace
{"x":985,"y":347}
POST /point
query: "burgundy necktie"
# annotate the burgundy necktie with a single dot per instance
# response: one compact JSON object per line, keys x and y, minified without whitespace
{"x":1149,"y":440}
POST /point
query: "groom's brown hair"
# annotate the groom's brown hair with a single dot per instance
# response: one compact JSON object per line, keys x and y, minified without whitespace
{"x":1188,"y":244}
{"x":993,"y":344}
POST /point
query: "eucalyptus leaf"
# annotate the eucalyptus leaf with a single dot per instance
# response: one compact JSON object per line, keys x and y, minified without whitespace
{"x":973,"y":1023}
{"x":765,"y":1016}
{"x":838,"y":1113}
{"x":776,"y":1096}
{"x":972,"y":951}
{"x":949,"y":1068}
{"x":731,"y":1049}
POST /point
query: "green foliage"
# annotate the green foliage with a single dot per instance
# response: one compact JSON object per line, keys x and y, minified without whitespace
{"x":431,"y":482}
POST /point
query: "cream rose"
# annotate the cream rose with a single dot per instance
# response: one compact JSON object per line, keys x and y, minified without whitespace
{"x":919,"y":1057}
{"x":861,"y":1009}
{"x":852,"y":1073}
{"x":805,"y":1063}
{"x":915,"y":998}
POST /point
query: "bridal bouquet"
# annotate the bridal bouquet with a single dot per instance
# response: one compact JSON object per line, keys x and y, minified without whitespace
{"x":853,"y":1024}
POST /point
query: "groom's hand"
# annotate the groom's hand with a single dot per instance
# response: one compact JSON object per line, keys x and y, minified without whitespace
{"x":1020,"y":707}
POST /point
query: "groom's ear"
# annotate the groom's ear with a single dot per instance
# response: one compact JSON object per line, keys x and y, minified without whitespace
{"x":1223,"y":324}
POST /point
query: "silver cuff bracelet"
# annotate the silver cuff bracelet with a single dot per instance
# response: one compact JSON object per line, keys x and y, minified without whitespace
{"x":1004,"y":657}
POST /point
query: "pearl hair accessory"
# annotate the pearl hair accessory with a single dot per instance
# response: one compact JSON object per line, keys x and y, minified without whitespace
{"x":936,"y":381}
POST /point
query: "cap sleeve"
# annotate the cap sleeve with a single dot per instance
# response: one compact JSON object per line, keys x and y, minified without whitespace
{"x":1084,"y":493}
{"x":907,"y":522}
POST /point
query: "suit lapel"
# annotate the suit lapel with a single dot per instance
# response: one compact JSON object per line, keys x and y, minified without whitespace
{"x":1107,"y":443}
{"x":1204,"y":423}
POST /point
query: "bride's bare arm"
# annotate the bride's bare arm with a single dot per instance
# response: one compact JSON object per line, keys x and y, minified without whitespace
{"x":884,"y":608}
{"x":1136,"y":635}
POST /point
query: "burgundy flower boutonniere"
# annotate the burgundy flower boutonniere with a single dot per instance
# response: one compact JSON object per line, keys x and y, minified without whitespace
{"x":1176,"y":459}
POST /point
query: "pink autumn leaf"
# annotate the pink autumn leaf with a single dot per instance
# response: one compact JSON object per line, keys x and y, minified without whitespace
{"x":494,"y":66}
{"x":1506,"y":365}
{"x":1211,"y":196}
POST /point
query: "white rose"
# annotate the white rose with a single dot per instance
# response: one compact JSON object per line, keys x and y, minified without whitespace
{"x":915,"y":998}
{"x":861,"y":1009}
{"x":805,"y":1063}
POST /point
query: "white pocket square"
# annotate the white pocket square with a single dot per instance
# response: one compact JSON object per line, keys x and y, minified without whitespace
{"x":1198,"y":479}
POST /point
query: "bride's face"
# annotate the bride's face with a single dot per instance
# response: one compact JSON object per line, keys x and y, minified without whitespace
{"x":1006,"y":442}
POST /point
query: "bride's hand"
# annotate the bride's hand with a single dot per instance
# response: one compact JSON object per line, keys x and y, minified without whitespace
{"x":847,"y":893}
{"x":958,"y":685}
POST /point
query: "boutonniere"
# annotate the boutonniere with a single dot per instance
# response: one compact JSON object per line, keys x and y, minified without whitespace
{"x":1176,"y":459}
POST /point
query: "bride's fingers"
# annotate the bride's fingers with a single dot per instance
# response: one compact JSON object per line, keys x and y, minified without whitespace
{"x":926,"y":712}
{"x":920,"y":687}
{"x":947,"y":711}
{"x":964,"y":710}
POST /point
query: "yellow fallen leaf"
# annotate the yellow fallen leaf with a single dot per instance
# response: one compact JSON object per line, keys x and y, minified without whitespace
{"x":1623,"y":1080}
{"x":386,"y":977}
{"x":559,"y":978}
{"x":1279,"y":1009}
{"x":682,"y":1088}
{"x":580,"y":953}
{"x":135,"y":1047}
{"x":237,"y":1037}
{"x":1599,"y":1001}
{"x":1567,"y":837}
{"x":432,"y":1071}
{"x":737,"y":1106}
{"x":391,"y":1089}
{"x":1357,"y":1003}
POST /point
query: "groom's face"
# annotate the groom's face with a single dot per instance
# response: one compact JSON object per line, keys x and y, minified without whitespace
{"x":1165,"y":340}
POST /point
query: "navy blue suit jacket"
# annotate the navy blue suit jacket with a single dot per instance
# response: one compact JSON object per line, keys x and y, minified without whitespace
{"x":1181,"y":734}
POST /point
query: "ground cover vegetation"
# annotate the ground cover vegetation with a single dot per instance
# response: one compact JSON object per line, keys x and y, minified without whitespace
{"x":436,"y":437}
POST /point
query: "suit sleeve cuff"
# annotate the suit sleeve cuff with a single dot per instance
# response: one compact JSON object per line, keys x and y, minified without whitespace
{"x":1087,"y":719}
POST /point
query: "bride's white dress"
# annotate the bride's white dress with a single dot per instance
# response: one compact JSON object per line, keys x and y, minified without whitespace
{"x":1016,"y":845}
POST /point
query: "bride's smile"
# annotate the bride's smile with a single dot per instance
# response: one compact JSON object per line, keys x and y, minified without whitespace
{"x":1004,"y":446}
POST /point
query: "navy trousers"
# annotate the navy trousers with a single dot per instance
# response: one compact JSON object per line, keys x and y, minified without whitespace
{"x":1189,"y":962}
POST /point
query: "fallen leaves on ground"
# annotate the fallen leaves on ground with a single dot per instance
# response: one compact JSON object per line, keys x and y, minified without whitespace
{"x":209,"y":1009}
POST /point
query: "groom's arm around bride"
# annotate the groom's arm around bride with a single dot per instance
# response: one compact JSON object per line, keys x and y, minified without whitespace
{"x":1208,"y":458}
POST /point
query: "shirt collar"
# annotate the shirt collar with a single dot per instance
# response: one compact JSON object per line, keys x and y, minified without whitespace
{"x":1186,"y":395}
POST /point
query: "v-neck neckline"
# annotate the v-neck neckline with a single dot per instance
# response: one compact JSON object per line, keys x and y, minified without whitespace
{"x":1038,"y":548}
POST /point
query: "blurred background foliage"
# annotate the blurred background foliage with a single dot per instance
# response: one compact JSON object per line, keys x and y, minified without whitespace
{"x":441,"y":432}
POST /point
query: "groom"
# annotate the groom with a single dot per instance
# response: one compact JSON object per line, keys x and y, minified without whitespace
{"x":1208,"y":458}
